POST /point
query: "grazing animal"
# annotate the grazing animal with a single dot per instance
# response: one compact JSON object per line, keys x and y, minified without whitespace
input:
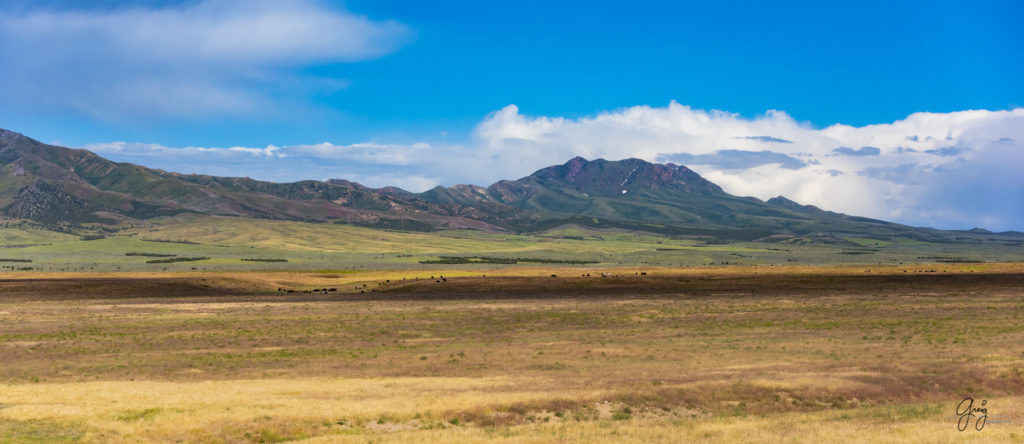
{"x":554,"y":275}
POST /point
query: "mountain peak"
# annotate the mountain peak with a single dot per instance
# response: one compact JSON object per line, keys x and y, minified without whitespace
{"x":574,"y":166}
{"x":789,"y":204}
{"x":62,"y":186}
{"x":783,"y":201}
{"x":619,"y":177}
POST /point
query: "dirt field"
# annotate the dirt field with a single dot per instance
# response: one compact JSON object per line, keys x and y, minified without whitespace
{"x":744,"y":354}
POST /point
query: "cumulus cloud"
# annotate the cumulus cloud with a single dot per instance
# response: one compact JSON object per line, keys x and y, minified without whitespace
{"x":968,"y":150}
{"x":195,"y":59}
{"x":971,"y":180}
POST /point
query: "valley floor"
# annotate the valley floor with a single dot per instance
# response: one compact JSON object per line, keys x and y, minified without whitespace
{"x":754,"y":354}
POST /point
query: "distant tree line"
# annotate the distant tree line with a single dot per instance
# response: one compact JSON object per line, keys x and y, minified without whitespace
{"x":176,"y":259}
{"x":951,"y":260}
{"x":171,"y":241}
{"x":499,"y":260}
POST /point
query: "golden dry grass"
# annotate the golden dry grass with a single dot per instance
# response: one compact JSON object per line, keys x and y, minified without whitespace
{"x":794,"y":355}
{"x":230,"y":409}
{"x":408,"y":410}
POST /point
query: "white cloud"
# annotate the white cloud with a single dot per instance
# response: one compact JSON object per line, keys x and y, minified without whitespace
{"x":964,"y":167}
{"x":159,"y":151}
{"x":202,"y":58}
{"x":962,"y":171}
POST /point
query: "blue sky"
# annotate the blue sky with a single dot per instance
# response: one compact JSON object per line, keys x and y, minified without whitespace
{"x":381,"y":86}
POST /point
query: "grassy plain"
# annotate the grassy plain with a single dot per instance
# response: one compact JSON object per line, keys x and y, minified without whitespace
{"x":225,"y":241}
{"x":738,"y":353}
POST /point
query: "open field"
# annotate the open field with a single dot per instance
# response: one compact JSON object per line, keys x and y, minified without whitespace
{"x":223,"y":242}
{"x":804,"y":354}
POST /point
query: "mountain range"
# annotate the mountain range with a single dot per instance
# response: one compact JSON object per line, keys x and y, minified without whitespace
{"x":69,"y":188}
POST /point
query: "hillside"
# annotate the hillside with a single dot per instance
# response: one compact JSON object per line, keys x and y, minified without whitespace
{"x":67,"y":188}
{"x":664,"y":198}
{"x":56,"y":185}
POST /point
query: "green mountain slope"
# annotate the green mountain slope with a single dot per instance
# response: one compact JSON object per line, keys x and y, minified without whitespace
{"x":667,"y":198}
{"x":61,"y":186}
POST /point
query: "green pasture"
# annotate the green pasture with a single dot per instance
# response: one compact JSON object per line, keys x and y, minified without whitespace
{"x":308,"y":246}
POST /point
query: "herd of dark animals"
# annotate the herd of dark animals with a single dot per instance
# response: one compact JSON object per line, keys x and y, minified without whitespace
{"x":315,"y":290}
{"x":439,"y":279}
